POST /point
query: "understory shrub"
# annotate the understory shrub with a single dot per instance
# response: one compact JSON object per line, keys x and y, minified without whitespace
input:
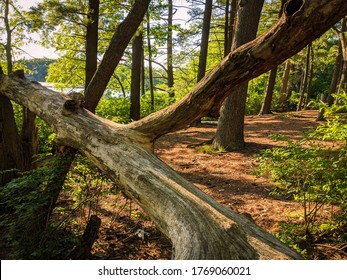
{"x":312,"y":171}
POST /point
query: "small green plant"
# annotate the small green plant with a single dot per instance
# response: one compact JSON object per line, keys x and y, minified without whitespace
{"x":209,"y":149}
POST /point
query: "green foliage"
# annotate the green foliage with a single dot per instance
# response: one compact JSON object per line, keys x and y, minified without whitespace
{"x":209,"y":149}
{"x":86,"y":185}
{"x":26,"y":204}
{"x":312,"y":171}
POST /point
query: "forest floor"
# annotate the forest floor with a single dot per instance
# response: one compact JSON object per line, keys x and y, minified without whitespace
{"x":225,"y":176}
{"x":127,"y":233}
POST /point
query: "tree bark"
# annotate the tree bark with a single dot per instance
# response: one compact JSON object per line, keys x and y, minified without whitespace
{"x":205,"y":34}
{"x":343,"y":41}
{"x":29,"y":139}
{"x":10,"y":150}
{"x":327,"y":97}
{"x":150,"y":67}
{"x":170,"y":77}
{"x":197,"y":225}
{"x":92,"y":40}
{"x":230,"y":128}
{"x":303,"y":88}
{"x":283,"y":95}
{"x":136,"y":76}
{"x":266,"y":106}
{"x":231,"y":26}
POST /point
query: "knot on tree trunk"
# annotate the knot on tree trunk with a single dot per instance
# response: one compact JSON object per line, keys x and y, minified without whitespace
{"x":18,"y":74}
{"x":293,"y":6}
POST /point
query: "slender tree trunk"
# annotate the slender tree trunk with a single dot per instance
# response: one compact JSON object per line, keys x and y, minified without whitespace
{"x":204,"y":40}
{"x":233,"y":12}
{"x":310,"y":79}
{"x":150,"y":67}
{"x":303,"y":88}
{"x":92,"y":40}
{"x":343,"y":40}
{"x":230,"y":135}
{"x":327,"y":97}
{"x":266,"y":106}
{"x":226,"y":27}
{"x":170,"y":78}
{"x":284,"y":89}
{"x":136,"y":76}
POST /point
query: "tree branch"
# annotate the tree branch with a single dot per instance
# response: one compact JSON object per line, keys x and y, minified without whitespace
{"x":298,"y":26}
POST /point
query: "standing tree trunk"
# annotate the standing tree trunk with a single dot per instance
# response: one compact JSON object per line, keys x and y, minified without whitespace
{"x":303,"y":88}
{"x":92,"y":41}
{"x":150,"y":67}
{"x":229,"y":135}
{"x":10,"y":149}
{"x":229,"y":32}
{"x":170,"y":78}
{"x":266,"y":106}
{"x":136,"y":66}
{"x":283,"y":94}
{"x":310,"y":79}
{"x":205,"y":34}
{"x":327,"y":97}
{"x":343,"y":41}
{"x":28,"y":142}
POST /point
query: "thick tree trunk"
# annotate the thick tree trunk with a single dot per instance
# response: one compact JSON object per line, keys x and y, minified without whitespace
{"x":10,"y":149}
{"x":29,"y":138}
{"x":197,"y":225}
{"x":229,"y":134}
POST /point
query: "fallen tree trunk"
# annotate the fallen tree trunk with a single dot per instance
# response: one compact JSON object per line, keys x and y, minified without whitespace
{"x":198,"y":226}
